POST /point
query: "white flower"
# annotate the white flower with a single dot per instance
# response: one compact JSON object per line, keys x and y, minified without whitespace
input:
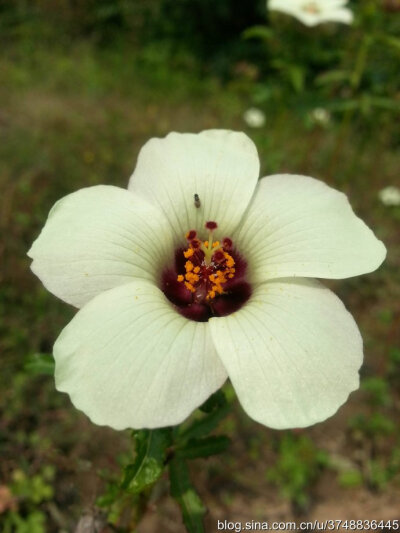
{"x":321,"y":116}
{"x":390,"y":196}
{"x":255,"y":118}
{"x":165,"y":318}
{"x":314,"y":12}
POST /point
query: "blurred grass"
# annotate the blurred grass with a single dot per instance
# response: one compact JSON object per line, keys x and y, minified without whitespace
{"x":73,"y":114}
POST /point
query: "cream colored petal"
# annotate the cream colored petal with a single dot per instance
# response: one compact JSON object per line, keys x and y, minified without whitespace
{"x":220,"y":166}
{"x":292,"y":353}
{"x":98,"y":238}
{"x":129,"y":360}
{"x":298,"y":226}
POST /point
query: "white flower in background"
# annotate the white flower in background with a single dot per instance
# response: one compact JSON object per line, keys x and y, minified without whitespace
{"x":314,"y":12}
{"x":320,"y":116}
{"x":390,"y":196}
{"x":199,"y":272}
{"x":254,"y":118}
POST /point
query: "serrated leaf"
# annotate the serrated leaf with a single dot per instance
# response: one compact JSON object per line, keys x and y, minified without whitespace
{"x":185,"y":494}
{"x":194,"y":448}
{"x":204,"y":425}
{"x":40,"y":364}
{"x":151,"y":449}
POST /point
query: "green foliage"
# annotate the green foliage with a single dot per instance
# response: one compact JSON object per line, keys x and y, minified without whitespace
{"x":215,"y":401}
{"x":151,"y":451}
{"x":377,"y":425}
{"x":378,"y":391}
{"x":394,"y":363}
{"x":40,"y":364}
{"x":350,"y":478}
{"x":185,"y":494}
{"x":205,"y":447}
{"x":377,"y":474}
{"x":29,"y":492}
{"x":34,"y":489}
{"x":385,"y":316}
{"x":297,"y":467}
{"x":34,"y":522}
{"x":205,"y":424}
{"x":167,"y":450}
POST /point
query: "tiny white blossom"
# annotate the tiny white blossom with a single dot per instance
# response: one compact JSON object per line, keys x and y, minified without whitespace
{"x":314,"y":12}
{"x":321,"y":116}
{"x":198,"y":272}
{"x":390,"y":196}
{"x":254,"y":118}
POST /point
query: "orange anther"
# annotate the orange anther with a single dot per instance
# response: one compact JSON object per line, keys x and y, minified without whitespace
{"x":188,"y":266}
{"x":189,"y":252}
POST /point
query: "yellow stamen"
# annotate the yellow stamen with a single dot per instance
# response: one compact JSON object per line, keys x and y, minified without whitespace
{"x":189,"y":286}
{"x":229,"y":260}
{"x":189,"y":252}
{"x":222,"y":272}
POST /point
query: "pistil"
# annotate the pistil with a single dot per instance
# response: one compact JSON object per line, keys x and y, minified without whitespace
{"x":209,"y":265}
{"x":208,"y":277}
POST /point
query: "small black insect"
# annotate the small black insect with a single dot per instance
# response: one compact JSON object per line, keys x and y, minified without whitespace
{"x":197,"y":202}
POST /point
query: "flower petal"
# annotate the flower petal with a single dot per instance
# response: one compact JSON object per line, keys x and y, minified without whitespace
{"x":222,"y":167}
{"x":298,"y":226}
{"x":315,"y":12}
{"x":98,"y":238}
{"x":292,"y":353}
{"x":129,"y":360}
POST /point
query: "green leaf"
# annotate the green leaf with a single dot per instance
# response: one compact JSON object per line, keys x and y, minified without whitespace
{"x":394,"y":42}
{"x":297,"y":77}
{"x":151,"y":450}
{"x":350,"y":478}
{"x":258,"y":32}
{"x":194,"y":448}
{"x":333,"y":77}
{"x":386,"y":103}
{"x":214,"y":401}
{"x":40,"y":363}
{"x":185,"y":494}
{"x":344,"y":105}
{"x":206,"y":424}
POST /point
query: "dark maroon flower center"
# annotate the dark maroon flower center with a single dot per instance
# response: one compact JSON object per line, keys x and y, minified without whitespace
{"x":207,"y":278}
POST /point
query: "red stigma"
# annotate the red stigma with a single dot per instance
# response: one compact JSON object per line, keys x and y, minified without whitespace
{"x":219,"y":256}
{"x":227,"y":244}
{"x":211,"y":225}
{"x":190,"y":235}
{"x":195,"y":244}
